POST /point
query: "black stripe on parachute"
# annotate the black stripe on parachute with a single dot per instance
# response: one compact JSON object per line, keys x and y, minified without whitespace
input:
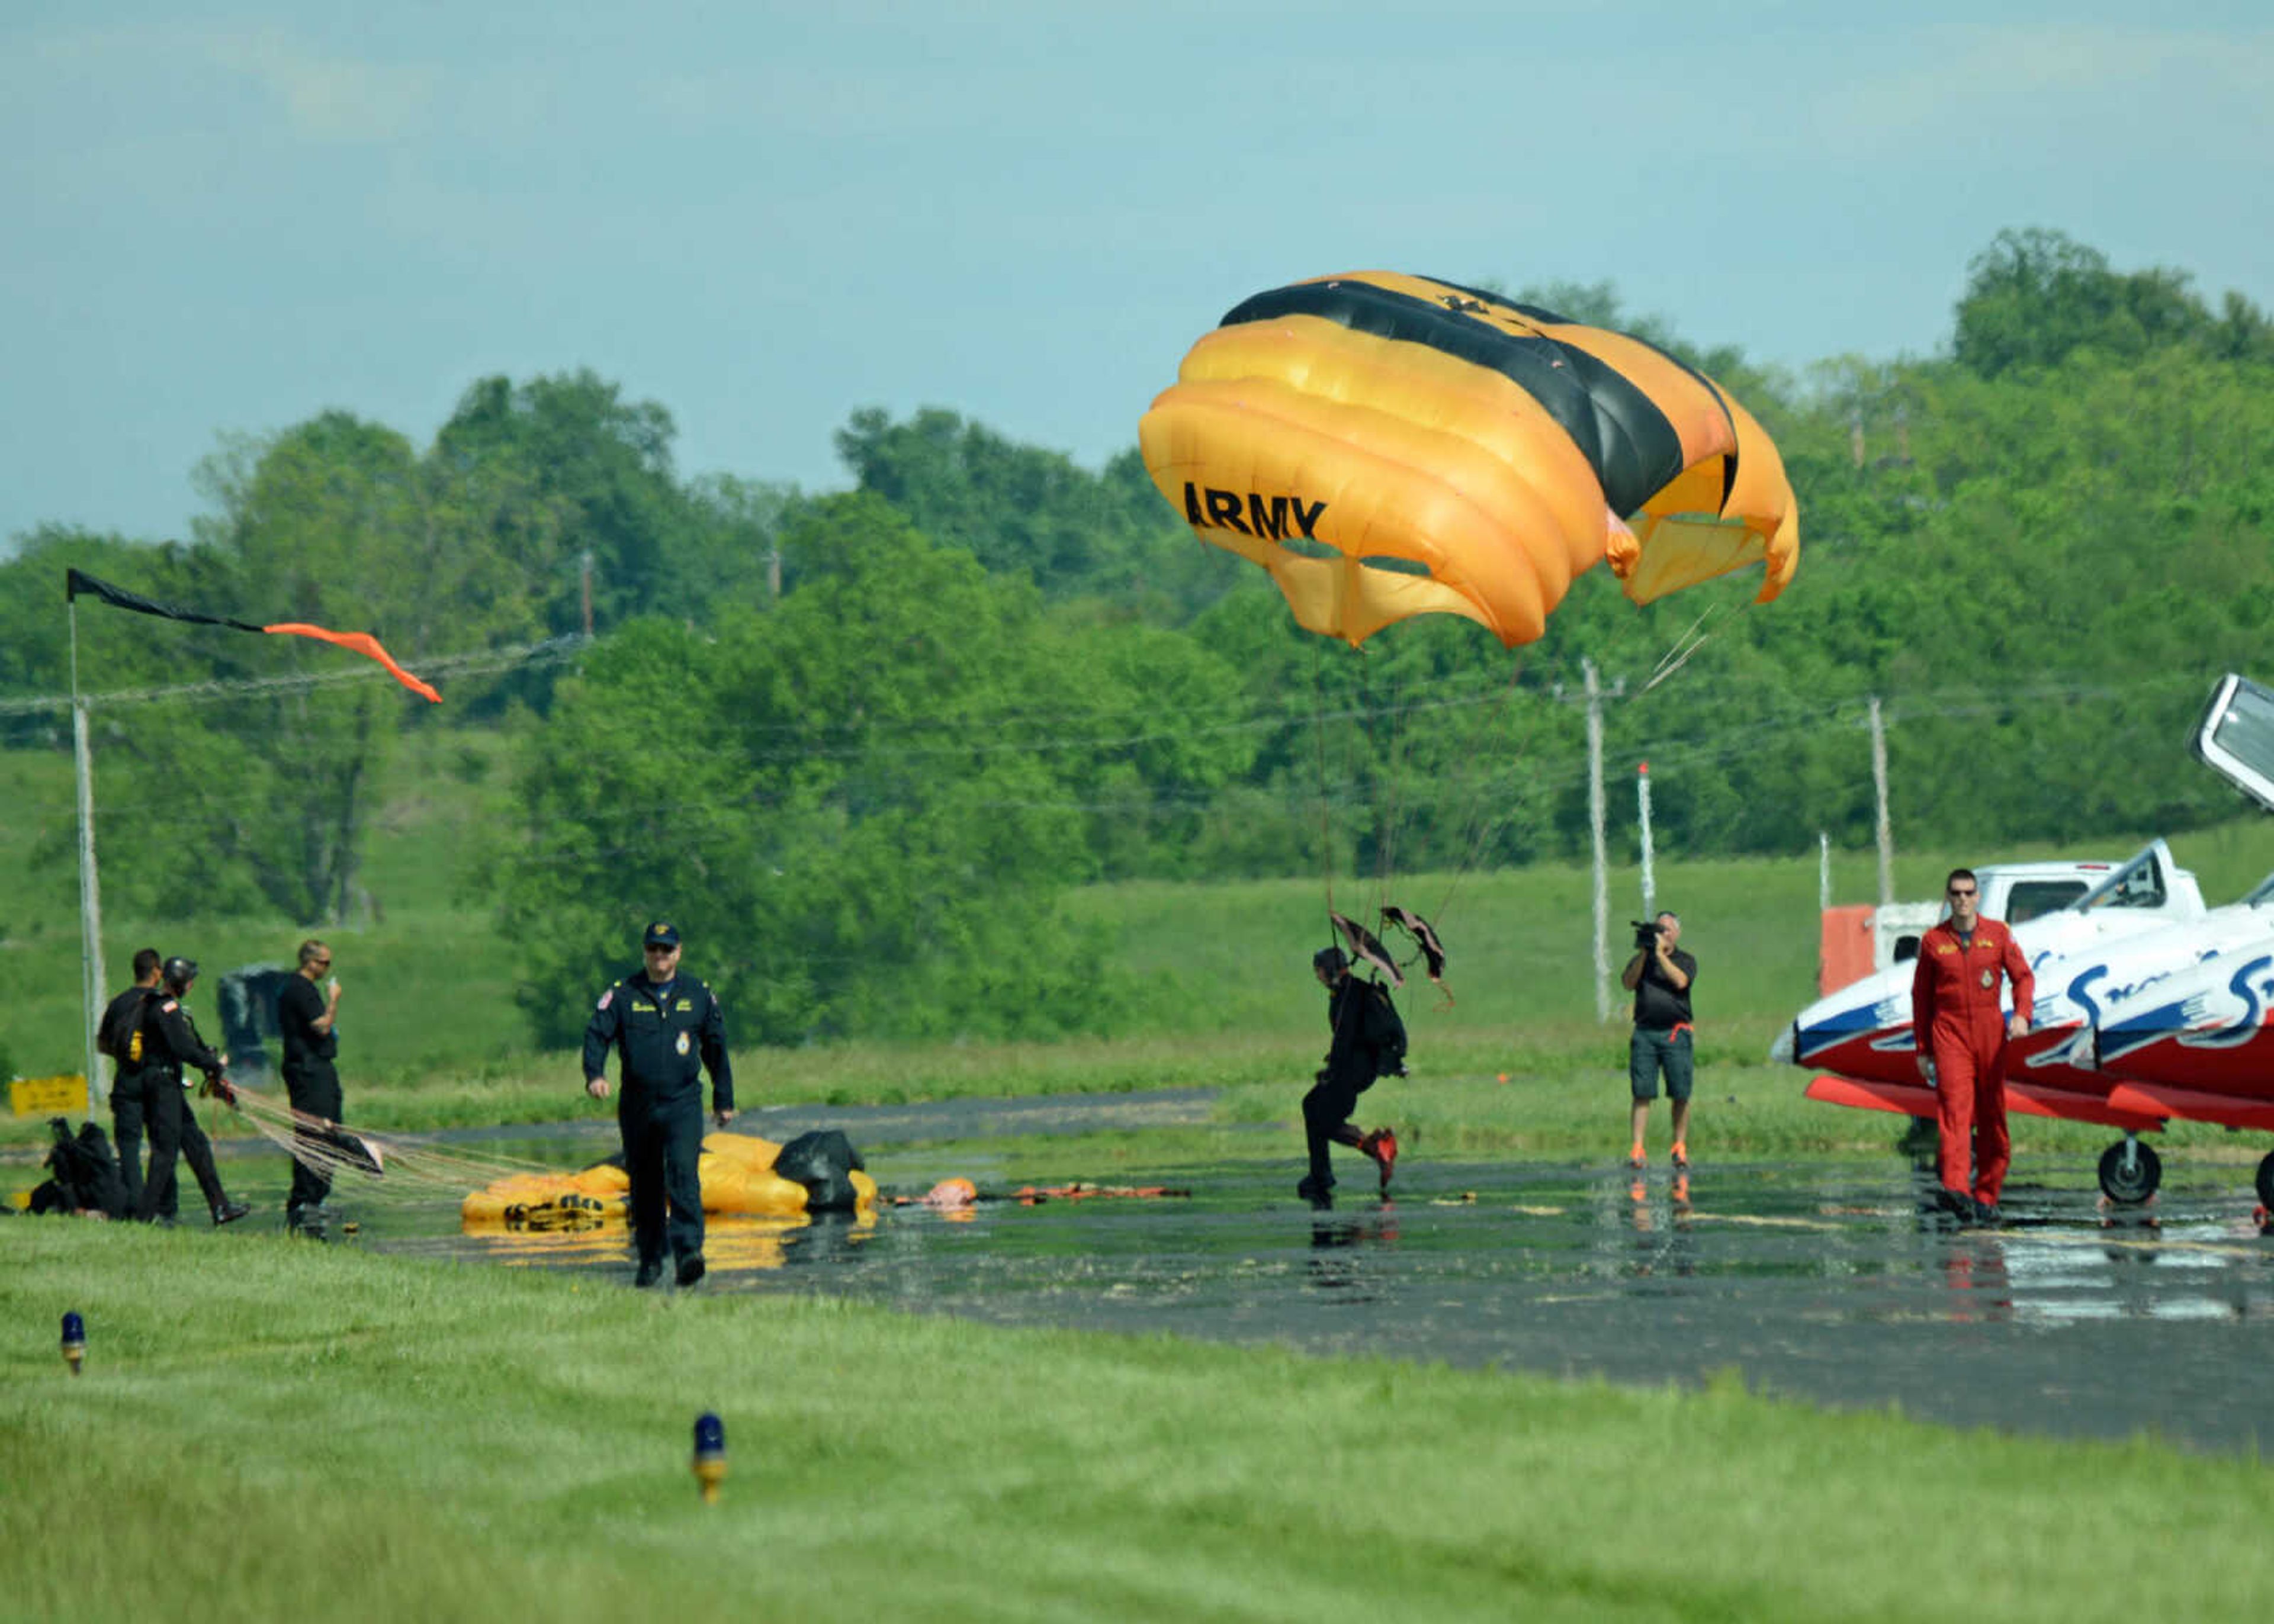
{"x":1533,"y":313}
{"x":1619,"y":429}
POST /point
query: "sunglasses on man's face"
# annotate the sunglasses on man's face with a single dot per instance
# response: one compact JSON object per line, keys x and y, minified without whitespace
{"x":1960,"y":895}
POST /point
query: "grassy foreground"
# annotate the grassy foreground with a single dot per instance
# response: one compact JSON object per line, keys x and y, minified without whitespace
{"x":268,"y":1431}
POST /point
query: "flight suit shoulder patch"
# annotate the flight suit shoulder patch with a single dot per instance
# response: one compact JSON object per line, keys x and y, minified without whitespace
{"x":169,"y":1007}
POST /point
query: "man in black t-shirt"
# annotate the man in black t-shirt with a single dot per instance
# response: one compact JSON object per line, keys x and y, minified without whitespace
{"x":306,"y":1014}
{"x":1661,"y":977}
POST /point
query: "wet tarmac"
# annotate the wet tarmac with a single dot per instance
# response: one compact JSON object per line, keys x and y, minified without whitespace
{"x":1822,"y":1281}
{"x":1825,"y":1283}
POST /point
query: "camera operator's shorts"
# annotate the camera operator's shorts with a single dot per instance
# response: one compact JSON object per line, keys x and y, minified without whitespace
{"x":1652,"y":1050}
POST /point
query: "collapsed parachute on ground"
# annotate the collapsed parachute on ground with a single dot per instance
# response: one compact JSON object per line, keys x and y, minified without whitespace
{"x":1388,"y":445}
{"x":741,"y":1173}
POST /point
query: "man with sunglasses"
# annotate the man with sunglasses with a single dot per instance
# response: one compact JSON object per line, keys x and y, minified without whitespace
{"x":1961,"y":1032}
{"x":308,"y":1020}
{"x":668,"y":1029}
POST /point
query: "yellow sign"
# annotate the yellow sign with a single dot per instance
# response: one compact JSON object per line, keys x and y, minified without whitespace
{"x":48,"y":1096}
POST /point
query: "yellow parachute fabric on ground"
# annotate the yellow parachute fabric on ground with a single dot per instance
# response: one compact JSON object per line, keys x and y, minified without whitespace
{"x":1388,"y":445}
{"x":737,"y":1172}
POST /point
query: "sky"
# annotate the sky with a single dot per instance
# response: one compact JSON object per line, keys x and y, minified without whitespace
{"x":226,"y":219}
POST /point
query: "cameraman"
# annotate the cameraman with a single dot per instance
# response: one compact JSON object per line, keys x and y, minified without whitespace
{"x":1660,"y":975}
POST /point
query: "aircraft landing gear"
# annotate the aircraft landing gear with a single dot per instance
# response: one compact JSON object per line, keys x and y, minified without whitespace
{"x":2130,"y":1172}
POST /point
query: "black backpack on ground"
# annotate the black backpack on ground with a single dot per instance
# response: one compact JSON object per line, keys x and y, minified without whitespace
{"x":822,"y":1162}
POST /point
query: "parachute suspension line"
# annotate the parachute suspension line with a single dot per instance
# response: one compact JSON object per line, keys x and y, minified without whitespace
{"x":1326,"y":799}
{"x":403,"y":1168}
{"x":1678,"y":653}
{"x":1490,"y":808}
{"x":1487,"y":811}
{"x":1387,"y":743}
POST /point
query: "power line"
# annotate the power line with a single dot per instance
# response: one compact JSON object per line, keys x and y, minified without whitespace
{"x":476,"y":664}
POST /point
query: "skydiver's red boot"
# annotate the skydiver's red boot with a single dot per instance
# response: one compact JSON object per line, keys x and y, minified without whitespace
{"x":1381,"y":1145}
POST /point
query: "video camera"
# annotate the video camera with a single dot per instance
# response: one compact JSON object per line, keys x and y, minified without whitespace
{"x":1646,"y":932}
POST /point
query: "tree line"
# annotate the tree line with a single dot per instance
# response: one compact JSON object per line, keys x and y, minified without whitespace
{"x":877,"y":735}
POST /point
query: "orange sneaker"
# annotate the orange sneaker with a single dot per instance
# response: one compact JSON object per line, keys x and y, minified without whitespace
{"x":1636,"y":1158}
{"x":1381,"y":1145}
{"x":1680,"y":1158}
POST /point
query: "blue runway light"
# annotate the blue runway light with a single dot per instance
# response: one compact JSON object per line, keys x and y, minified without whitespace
{"x":709,"y":1455}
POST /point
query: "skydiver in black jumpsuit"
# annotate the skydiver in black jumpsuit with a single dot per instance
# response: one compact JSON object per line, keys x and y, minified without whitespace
{"x":1369,"y":1041}
{"x":166,"y":1040}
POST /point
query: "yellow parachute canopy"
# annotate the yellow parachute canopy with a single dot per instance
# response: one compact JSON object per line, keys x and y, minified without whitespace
{"x":736,"y":1171}
{"x":1388,"y":445}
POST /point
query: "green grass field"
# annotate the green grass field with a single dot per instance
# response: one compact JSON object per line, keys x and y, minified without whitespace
{"x":266,"y":1430}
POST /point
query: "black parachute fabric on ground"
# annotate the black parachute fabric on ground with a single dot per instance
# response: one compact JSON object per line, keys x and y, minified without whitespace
{"x":85,"y":1173}
{"x":821,"y":1162}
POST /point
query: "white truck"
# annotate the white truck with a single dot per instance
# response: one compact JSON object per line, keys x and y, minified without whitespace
{"x":2017,"y":893}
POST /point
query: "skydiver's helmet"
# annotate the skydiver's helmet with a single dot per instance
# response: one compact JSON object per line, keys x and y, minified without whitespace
{"x":1329,"y":962}
{"x":178,"y":973}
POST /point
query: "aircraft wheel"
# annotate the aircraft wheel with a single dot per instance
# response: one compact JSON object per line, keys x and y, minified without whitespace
{"x":2266,"y":1183}
{"x":2138,"y":1181}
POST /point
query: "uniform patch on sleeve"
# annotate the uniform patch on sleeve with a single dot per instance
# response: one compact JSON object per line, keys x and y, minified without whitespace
{"x":607,"y":998}
{"x":168,"y":1007}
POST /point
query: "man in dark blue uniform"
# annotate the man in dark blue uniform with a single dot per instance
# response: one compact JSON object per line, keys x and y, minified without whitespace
{"x":668,"y":1029}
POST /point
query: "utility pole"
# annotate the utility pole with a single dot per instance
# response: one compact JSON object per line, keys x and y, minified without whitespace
{"x":90,"y":893}
{"x":1595,"y":818}
{"x":1642,"y":809}
{"x":1823,"y":871}
{"x":774,"y":572}
{"x":1879,"y":785}
{"x":584,"y":570}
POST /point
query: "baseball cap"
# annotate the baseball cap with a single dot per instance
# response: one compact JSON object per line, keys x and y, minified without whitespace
{"x":661,"y":935}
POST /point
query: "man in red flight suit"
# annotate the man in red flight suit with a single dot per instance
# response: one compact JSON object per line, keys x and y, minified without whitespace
{"x":1961,"y":1043}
